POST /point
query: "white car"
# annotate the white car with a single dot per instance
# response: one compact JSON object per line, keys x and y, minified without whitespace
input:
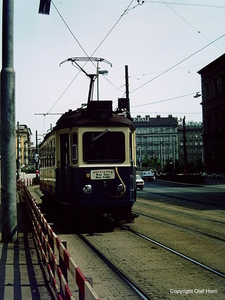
{"x":147,"y":175}
{"x":139,"y":182}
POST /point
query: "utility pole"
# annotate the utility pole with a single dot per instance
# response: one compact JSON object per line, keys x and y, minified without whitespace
{"x":8,"y":139}
{"x":18,"y":151}
{"x":185,"y":147}
{"x":36,"y":156}
{"x":127,"y":88}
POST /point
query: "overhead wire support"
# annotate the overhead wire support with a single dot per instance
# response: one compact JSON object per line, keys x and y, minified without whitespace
{"x":91,"y":76}
{"x":45,"y":114}
{"x":75,"y":59}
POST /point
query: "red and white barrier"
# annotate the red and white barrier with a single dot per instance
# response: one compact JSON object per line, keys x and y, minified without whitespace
{"x":27,"y":181}
{"x":62,"y":290}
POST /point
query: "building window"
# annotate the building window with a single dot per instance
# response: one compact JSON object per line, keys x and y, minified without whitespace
{"x":219,"y":85}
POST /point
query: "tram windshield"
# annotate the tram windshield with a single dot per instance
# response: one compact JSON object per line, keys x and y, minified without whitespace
{"x":103,"y":147}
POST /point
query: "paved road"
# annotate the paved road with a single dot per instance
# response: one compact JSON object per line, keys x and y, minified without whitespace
{"x":212,"y":192}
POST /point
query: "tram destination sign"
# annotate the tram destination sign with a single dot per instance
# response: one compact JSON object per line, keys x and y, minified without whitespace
{"x":102,"y":174}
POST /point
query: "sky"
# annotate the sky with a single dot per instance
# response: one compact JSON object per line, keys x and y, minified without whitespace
{"x":163,"y":43}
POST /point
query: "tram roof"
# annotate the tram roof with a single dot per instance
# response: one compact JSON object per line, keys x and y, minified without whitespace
{"x":82,"y":118}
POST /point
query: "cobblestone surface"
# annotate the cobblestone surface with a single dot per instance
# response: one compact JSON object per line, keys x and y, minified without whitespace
{"x":202,"y":248}
{"x":161,"y":274}
{"x":106,"y":283}
{"x":157,"y":271}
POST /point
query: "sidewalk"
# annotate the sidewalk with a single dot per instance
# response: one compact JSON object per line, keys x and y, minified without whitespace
{"x":21,"y":275}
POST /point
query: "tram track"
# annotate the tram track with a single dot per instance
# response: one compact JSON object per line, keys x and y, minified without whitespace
{"x":115,"y":269}
{"x":147,"y":203}
{"x":174,"y":252}
{"x":200,"y":221}
{"x":200,"y":232}
{"x":182,"y":227}
{"x":150,"y":274}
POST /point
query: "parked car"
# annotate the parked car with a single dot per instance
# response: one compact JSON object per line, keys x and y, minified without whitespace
{"x":139,"y":182}
{"x":147,"y":175}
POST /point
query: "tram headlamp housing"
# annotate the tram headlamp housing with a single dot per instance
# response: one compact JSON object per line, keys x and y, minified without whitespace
{"x":121,"y":188}
{"x":87,"y":189}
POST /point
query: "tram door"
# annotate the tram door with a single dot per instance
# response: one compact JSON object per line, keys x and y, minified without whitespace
{"x":64,"y":166}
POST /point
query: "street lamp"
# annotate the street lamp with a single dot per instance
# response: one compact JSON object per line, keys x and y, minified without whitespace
{"x":197,"y":95}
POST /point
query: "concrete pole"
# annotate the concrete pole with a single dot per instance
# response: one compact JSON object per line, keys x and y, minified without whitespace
{"x":36,"y":156}
{"x":185,"y":147}
{"x":127,"y":88}
{"x":8,"y":139}
{"x":18,"y":151}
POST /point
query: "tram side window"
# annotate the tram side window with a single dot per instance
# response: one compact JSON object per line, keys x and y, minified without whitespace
{"x":104,"y":147}
{"x":45,"y":157}
{"x":53,"y":152}
{"x":41,"y":158}
{"x":130,"y":146}
{"x":48,"y":156}
{"x":74,"y":148}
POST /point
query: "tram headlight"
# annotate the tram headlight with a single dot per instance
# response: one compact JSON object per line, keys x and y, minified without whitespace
{"x":87,"y":189}
{"x":121,"y":188}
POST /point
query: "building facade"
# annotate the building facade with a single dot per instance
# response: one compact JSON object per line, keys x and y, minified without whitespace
{"x":190,"y":149}
{"x":213,"y":111}
{"x":24,"y":155}
{"x":156,"y":139}
{"x":173,"y":146}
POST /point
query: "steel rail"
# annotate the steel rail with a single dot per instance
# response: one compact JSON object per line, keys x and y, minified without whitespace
{"x":117,"y":271}
{"x":175,"y":252}
{"x":183,"y":227}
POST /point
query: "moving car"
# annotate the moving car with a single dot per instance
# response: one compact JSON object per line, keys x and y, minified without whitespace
{"x":147,"y":175}
{"x":139,"y":182}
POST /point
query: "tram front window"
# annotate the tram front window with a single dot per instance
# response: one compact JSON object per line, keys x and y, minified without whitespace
{"x":104,"y":147}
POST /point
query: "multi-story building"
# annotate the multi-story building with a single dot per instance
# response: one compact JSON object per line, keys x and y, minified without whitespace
{"x":23,"y":145}
{"x":213,"y":111}
{"x":192,"y":148}
{"x":157,"y":139}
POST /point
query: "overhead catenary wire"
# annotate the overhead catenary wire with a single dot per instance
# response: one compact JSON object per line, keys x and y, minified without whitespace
{"x":186,"y":4}
{"x":180,"y":62}
{"x":125,"y":11}
{"x":198,"y":31}
{"x":164,"y":100}
{"x":67,"y":26}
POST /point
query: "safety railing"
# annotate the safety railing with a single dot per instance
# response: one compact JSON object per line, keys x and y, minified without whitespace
{"x":55,"y":271}
{"x":27,"y":181}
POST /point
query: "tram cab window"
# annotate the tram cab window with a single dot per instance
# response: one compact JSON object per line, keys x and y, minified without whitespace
{"x":103,"y":147}
{"x":74,"y":148}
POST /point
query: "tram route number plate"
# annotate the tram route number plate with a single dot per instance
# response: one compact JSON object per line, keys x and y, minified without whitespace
{"x":102,"y":174}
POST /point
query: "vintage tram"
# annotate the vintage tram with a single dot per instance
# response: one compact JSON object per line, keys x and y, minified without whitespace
{"x":87,"y":161}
